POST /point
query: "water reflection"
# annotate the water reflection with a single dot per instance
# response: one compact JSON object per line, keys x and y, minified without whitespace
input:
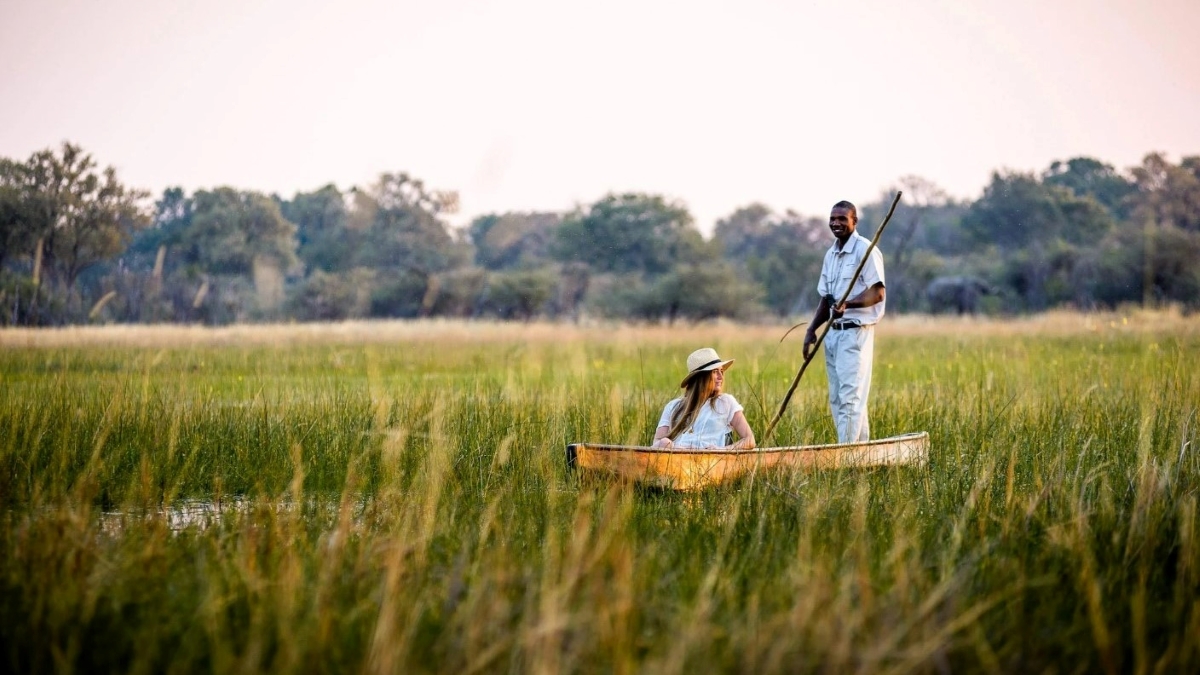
{"x":185,"y":513}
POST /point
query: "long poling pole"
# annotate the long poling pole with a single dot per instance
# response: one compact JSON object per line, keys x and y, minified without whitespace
{"x":828,"y":324}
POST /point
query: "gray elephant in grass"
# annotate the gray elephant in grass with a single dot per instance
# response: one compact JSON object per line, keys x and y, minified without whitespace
{"x":958,"y":294}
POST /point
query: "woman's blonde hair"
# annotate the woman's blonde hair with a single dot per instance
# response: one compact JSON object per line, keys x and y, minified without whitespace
{"x":699,"y":390}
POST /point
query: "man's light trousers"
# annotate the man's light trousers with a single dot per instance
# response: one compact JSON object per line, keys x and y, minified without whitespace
{"x":848,"y":357}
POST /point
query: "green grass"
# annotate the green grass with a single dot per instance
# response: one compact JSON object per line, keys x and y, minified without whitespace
{"x":395,"y":500}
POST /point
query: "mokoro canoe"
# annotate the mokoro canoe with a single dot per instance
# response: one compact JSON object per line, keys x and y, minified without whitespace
{"x":692,"y":469}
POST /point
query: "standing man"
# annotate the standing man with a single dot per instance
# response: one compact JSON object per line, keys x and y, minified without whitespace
{"x":850,"y":343}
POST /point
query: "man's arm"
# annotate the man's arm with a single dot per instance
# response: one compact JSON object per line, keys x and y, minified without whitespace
{"x":872,"y":296}
{"x":819,"y":318}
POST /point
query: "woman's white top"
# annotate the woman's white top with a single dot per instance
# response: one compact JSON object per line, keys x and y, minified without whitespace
{"x":713,"y":422}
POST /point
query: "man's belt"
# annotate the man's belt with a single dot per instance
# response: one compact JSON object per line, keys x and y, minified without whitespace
{"x":843,"y":325}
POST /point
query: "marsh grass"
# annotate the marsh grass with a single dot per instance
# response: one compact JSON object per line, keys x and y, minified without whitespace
{"x":392,"y":498}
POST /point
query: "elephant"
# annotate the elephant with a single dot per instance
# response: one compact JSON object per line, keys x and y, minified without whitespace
{"x":957,"y":294}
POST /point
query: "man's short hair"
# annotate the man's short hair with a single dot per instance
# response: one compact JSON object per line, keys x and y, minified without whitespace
{"x":849,"y":207}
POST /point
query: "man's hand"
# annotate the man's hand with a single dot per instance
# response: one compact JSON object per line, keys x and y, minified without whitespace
{"x":810,"y":342}
{"x":836,"y":311}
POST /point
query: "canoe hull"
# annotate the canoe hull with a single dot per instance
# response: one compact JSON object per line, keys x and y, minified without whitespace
{"x":696,"y":469}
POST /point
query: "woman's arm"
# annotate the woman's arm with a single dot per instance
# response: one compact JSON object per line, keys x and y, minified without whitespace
{"x":745,"y":434}
{"x":660,"y":437}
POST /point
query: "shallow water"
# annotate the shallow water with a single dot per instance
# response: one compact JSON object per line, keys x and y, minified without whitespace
{"x":186,"y":513}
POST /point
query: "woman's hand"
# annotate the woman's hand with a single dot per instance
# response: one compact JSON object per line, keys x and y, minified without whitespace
{"x":661,"y":440}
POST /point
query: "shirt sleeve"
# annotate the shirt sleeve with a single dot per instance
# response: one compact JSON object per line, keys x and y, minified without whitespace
{"x":823,"y":280}
{"x":873,"y":271}
{"x":665,"y":419}
{"x":732,"y":407}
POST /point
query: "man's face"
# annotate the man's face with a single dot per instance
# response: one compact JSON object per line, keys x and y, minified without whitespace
{"x":842,"y":223}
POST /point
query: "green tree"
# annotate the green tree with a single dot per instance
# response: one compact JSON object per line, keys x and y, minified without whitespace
{"x":780,"y":254}
{"x":1168,"y":194}
{"x":513,"y":240}
{"x":403,"y":229}
{"x":1164,"y":257}
{"x":81,"y":215}
{"x":520,"y":294}
{"x":1087,"y":177}
{"x":1049,"y":275}
{"x":1017,"y":210}
{"x":706,"y":291}
{"x":164,"y":284}
{"x":403,"y":294}
{"x":229,"y":229}
{"x":323,"y":236}
{"x":18,"y":231}
{"x":631,"y":233}
{"x":688,"y":292}
{"x":220,"y":255}
{"x":456,"y":292}
{"x":926,"y":226}
{"x":324,"y":296}
{"x":745,"y":233}
{"x":171,"y":217}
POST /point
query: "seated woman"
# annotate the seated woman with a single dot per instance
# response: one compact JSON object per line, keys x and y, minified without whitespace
{"x":703,"y":416}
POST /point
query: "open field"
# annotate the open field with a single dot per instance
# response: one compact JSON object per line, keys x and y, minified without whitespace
{"x":391,"y":497}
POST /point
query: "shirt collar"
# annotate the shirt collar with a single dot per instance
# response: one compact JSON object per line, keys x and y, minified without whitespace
{"x":851,"y":243}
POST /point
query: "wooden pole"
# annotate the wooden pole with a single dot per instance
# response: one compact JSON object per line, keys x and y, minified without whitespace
{"x":825,"y":330}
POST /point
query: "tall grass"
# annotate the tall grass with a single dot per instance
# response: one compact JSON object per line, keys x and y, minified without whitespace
{"x":393,"y":498}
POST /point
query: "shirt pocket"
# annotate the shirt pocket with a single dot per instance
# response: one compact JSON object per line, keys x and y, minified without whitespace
{"x":845,"y":277}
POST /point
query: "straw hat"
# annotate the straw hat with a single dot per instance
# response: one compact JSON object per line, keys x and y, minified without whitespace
{"x":703,"y":360}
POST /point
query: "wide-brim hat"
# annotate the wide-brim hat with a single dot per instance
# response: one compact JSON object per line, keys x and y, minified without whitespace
{"x":703,"y":360}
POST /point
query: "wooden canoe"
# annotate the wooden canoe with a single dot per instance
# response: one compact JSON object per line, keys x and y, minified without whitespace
{"x":692,"y":469}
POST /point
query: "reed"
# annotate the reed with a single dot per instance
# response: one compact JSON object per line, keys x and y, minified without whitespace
{"x":392,"y":498}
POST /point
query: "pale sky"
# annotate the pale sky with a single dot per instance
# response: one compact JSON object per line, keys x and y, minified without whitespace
{"x":545,"y":104}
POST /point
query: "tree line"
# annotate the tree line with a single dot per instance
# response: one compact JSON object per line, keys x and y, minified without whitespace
{"x":78,"y":246}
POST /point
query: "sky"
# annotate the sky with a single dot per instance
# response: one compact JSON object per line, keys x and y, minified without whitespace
{"x":546,"y":105}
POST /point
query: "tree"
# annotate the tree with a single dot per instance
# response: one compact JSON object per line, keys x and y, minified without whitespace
{"x":520,"y":294}
{"x":1087,"y":177}
{"x":456,"y":292}
{"x":1017,"y":211}
{"x":156,"y":282}
{"x":331,"y":297}
{"x":17,"y":230}
{"x":921,"y":197}
{"x":1036,"y":237}
{"x":691,"y":292}
{"x":781,"y":254}
{"x":1158,"y":264}
{"x":81,"y":216}
{"x":229,"y":229}
{"x":403,"y":229}
{"x":627,"y":233}
{"x":1168,"y":194}
{"x":743,"y":234}
{"x":513,"y":240}
{"x":324,"y":239}
{"x":699,"y":292}
{"x":925,"y":226}
{"x":402,"y":294}
{"x":222,"y":254}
